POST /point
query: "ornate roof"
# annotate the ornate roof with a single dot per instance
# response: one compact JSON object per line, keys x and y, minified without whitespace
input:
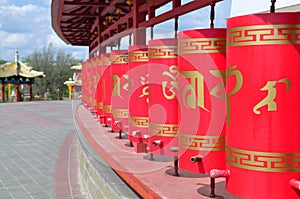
{"x":18,"y":71}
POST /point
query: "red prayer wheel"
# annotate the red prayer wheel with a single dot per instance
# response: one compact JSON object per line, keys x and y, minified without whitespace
{"x":119,"y":60}
{"x":263,"y":140}
{"x":106,"y":82}
{"x":94,"y":81}
{"x":138,"y":94}
{"x":89,"y":84}
{"x":163,"y":106}
{"x":99,"y":89}
{"x":84,"y":84}
{"x":202,"y":62}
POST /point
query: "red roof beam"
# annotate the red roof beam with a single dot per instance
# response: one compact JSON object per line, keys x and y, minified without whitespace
{"x":91,"y":4}
{"x":119,"y":22}
{"x":76,"y":22}
{"x":152,"y":3}
{"x":189,"y":7}
{"x":106,"y":10}
{"x":73,"y":29}
{"x":79,"y":15}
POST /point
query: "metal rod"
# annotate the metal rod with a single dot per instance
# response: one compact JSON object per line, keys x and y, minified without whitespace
{"x":272,"y":8}
{"x":176,"y":166}
{"x":151,"y":157}
{"x":175,"y":27}
{"x":212,"y":14}
{"x":151,"y":33}
{"x":130,"y":41}
{"x":212,"y":188}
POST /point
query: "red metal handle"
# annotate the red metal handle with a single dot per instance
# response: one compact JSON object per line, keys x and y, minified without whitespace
{"x":295,"y":183}
{"x":216,"y":173}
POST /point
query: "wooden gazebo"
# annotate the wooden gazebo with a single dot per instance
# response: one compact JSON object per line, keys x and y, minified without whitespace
{"x":17,"y":73}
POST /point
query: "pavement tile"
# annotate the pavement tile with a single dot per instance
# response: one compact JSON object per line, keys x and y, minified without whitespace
{"x":30,"y":145}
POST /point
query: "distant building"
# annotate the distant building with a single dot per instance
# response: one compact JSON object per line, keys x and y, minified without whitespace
{"x":74,"y":84}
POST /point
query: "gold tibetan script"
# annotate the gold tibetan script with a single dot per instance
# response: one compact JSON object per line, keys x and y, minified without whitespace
{"x":145,"y":91}
{"x":232,"y":71}
{"x":116,"y":85}
{"x":269,"y":100}
{"x":220,"y":87}
{"x":193,"y":93}
{"x":173,"y":75}
{"x":126,"y":85}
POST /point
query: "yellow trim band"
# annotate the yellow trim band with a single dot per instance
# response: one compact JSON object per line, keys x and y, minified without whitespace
{"x":141,"y":122}
{"x":107,"y":108}
{"x":163,"y":52}
{"x":120,"y":113}
{"x":263,"y":161}
{"x":138,"y":56}
{"x":163,"y":130}
{"x":202,"y":45}
{"x":201,"y":142}
{"x":264,"y":35}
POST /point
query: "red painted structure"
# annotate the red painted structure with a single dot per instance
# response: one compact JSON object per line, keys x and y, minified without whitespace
{"x":94,"y":76}
{"x":107,"y":86}
{"x":84,"y":86}
{"x":252,"y":91}
{"x":118,"y":68}
{"x":163,"y":104}
{"x":99,"y":89}
{"x":263,"y":147}
{"x":98,"y":24}
{"x":202,"y":65}
{"x":138,"y":94}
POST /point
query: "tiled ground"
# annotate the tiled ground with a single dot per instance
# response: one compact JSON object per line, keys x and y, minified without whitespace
{"x":31,"y":137}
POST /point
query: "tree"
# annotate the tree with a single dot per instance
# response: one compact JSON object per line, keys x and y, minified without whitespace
{"x":56,"y":66}
{"x":2,"y":61}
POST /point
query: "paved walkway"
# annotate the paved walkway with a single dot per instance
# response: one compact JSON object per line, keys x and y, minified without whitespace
{"x":151,"y":179}
{"x":33,"y":161}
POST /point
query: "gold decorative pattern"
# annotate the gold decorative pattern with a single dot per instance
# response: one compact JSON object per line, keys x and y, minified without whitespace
{"x":264,"y":35}
{"x":163,"y":52}
{"x":105,"y":61}
{"x":142,"y":122}
{"x":119,"y":59}
{"x":98,"y":62}
{"x":107,"y":108}
{"x":163,"y":130}
{"x":100,"y":105}
{"x":138,"y":56}
{"x":201,"y":142}
{"x":120,"y":113}
{"x":263,"y":161}
{"x":202,"y":45}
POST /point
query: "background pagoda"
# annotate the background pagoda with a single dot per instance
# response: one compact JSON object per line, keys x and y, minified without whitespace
{"x":17,"y":73}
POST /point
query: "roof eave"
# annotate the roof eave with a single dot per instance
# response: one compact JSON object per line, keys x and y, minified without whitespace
{"x":56,"y":14}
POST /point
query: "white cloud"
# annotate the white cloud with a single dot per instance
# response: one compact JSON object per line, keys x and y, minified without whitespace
{"x":55,"y":40}
{"x":243,"y":7}
{"x":26,"y":25}
{"x":17,"y":40}
{"x":79,"y":52}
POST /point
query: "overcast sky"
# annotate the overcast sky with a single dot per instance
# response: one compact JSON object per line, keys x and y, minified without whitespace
{"x":26,"y":24}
